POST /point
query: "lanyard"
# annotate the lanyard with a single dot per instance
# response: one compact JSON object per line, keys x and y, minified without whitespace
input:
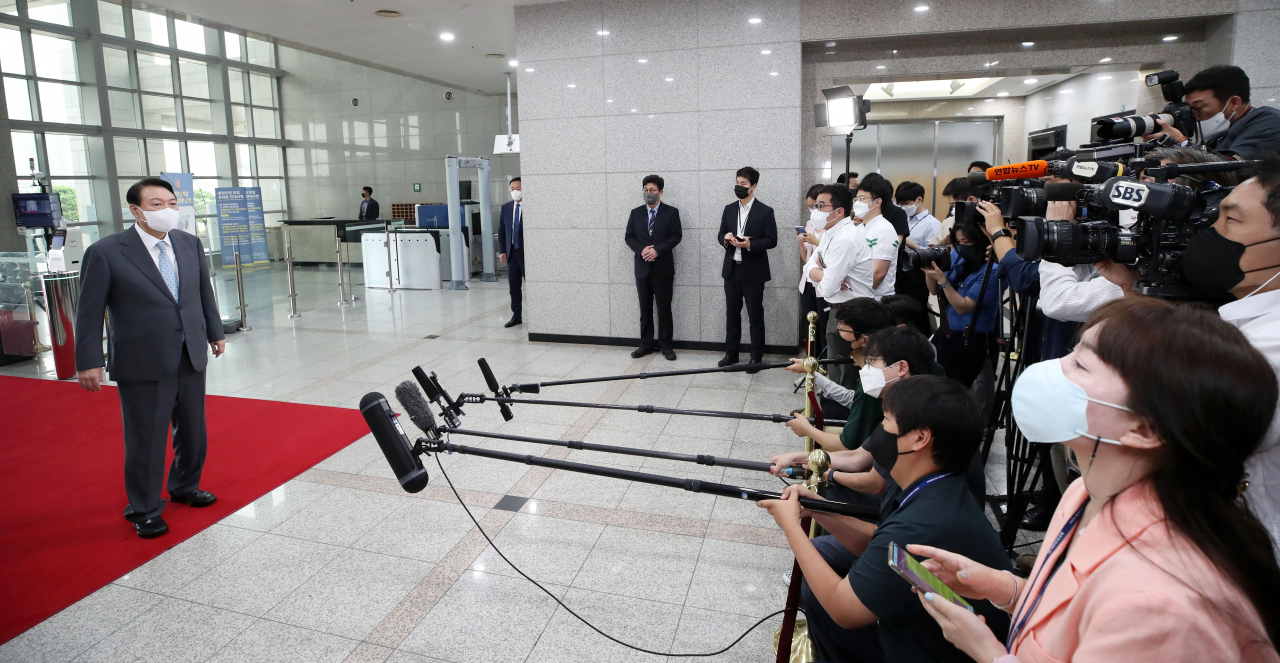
{"x":1068,"y":529}
{"x":917,"y":488}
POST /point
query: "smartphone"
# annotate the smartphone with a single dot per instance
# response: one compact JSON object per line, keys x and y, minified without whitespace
{"x":799,"y":230}
{"x":914,"y":572}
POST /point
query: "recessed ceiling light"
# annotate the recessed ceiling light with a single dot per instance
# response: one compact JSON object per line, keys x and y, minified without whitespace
{"x":513,"y":63}
{"x":1065,"y":91}
{"x":1002,"y":94}
{"x":989,"y":99}
{"x":895,"y":51}
{"x":651,"y":117}
{"x":602,"y":33}
{"x":959,"y":113}
{"x":922,"y":8}
{"x":633,"y":110}
{"x":1028,"y":43}
{"x":530,"y":70}
{"x":765,"y":52}
{"x":773,"y":73}
{"x":572,"y":85}
{"x":1171,"y":38}
{"x":446,"y":36}
{"x":831,"y":52}
{"x":495,"y":56}
{"x":608,"y":101}
{"x":879,"y":66}
{"x":1105,"y":60}
{"x":1133,"y":80}
{"x":642,"y":61}
{"x":1031,"y":81}
{"x":669,"y":79}
{"x":753,"y":20}
{"x":1104,"y":78}
{"x":1271,"y":100}
{"x":970,"y":108}
{"x":388,"y":13}
{"x":830,"y":44}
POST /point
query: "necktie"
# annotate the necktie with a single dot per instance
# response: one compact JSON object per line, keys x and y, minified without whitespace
{"x":652,"y":212}
{"x":515,"y":231}
{"x":166,"y":270}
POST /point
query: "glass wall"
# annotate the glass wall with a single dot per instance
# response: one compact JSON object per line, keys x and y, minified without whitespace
{"x":177,"y":95}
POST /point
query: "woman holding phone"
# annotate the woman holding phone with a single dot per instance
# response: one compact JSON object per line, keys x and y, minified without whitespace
{"x":1152,"y":554}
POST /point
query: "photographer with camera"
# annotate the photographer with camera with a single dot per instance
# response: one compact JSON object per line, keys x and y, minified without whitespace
{"x":956,"y":191}
{"x":1219,"y":98}
{"x":963,"y":347}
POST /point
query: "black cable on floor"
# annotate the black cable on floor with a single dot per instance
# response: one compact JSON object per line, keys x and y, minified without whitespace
{"x":731,"y":645}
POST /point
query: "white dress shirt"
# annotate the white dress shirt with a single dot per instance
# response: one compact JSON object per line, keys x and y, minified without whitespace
{"x":1259,"y":318}
{"x":846,"y":263}
{"x":743,"y":212}
{"x":151,"y":243}
{"x":883,"y":241}
{"x":1070,"y":294}
{"x":924,"y":228}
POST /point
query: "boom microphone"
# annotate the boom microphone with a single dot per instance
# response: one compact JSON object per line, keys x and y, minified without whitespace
{"x":1089,"y":172}
{"x":393,"y":441}
{"x":417,"y":407}
{"x":1016,"y":171}
{"x":493,"y":386}
{"x":976,"y":178}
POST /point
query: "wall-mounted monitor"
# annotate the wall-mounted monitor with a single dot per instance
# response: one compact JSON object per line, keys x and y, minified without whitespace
{"x":37,"y":210}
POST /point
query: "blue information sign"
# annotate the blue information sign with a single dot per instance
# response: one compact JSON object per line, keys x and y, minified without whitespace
{"x":233,"y":225}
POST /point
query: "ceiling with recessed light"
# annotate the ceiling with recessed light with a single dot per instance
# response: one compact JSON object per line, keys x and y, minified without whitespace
{"x":410,"y":42}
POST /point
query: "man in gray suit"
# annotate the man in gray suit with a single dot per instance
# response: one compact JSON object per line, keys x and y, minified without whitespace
{"x":154,"y":283}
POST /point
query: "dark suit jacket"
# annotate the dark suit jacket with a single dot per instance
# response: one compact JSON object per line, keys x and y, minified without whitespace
{"x":147,"y":328}
{"x":371,"y":213}
{"x":1253,"y":135}
{"x":666,"y":234}
{"x":762,"y":230}
{"x":506,"y":217}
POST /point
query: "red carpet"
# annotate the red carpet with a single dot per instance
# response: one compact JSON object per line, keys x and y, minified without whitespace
{"x":62,"y":530}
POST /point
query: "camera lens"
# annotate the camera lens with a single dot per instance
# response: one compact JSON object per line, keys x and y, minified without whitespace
{"x":925,"y":257}
{"x":1072,"y":243}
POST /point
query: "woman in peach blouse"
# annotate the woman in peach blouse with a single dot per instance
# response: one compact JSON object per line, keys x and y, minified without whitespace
{"x":1152,"y":554}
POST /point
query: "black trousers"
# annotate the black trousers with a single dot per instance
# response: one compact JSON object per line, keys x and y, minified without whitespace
{"x":810,"y":301}
{"x":515,"y":279}
{"x":912,"y":284}
{"x":836,"y":642}
{"x":737,"y":291}
{"x":148,"y":409}
{"x":656,"y":287}
{"x":962,"y":362}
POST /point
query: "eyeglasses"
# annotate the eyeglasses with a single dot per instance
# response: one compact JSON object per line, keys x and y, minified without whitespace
{"x":864,"y":199}
{"x":846,"y":331}
{"x":821,"y":206}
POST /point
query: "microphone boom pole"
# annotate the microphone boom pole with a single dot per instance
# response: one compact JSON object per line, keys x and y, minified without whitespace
{"x":535,"y":387}
{"x":646,"y":409}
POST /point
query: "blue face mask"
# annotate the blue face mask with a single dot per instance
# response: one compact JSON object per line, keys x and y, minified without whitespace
{"x":1049,"y":407}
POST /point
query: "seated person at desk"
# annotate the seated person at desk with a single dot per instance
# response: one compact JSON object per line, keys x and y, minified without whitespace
{"x":858,"y":607}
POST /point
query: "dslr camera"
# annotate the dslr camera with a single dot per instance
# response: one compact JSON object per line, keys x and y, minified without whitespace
{"x":1177,"y":113}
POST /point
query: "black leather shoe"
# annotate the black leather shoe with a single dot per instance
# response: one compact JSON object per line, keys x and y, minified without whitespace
{"x":669,"y":354}
{"x":1037,"y":518}
{"x":727,"y":361}
{"x":755,"y":370}
{"x":151,"y":528}
{"x":196,"y":498}
{"x":640,"y":352}
{"x":513,"y":322}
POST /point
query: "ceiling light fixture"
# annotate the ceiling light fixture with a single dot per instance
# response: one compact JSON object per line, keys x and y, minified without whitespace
{"x":1104,"y":78}
{"x":920,"y":9}
{"x":496,"y":56}
{"x":530,"y":70}
{"x":1171,"y":38}
{"x":633,"y":110}
{"x":989,"y":99}
{"x":572,"y":85}
{"x":1031,"y":81}
{"x":830,"y":44}
{"x":1028,"y":43}
{"x":1105,"y":60}
{"x":773,"y":73}
{"x":753,"y":21}
{"x":388,"y":13}
{"x":1002,"y":94}
{"x":602,"y":33}
{"x":642,"y":61}
{"x":608,"y":101}
{"x":1065,"y":91}
{"x":765,"y":52}
{"x":669,"y":79}
{"x":831,"y":52}
{"x":446,"y":36}
{"x":513,"y":63}
{"x":970,"y":108}
{"x":879,"y":66}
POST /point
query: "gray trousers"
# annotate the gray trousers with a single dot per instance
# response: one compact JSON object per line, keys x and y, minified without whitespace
{"x":148,"y":409}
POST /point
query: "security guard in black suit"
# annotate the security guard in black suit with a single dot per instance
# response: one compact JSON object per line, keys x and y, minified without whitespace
{"x":653,"y":231}
{"x":747,"y":232}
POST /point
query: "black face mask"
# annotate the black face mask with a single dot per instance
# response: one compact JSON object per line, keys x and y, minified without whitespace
{"x":842,"y":346}
{"x":741,"y":191}
{"x":883,"y":447}
{"x":1212,"y":261}
{"x":969,"y":253}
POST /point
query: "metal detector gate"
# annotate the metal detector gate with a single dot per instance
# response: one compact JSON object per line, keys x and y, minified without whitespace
{"x":459,"y":257}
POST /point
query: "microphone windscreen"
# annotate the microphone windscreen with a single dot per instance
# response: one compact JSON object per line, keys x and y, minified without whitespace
{"x":421,"y":376}
{"x":1015,"y":171}
{"x":1062,"y":190}
{"x":976,"y":178}
{"x":416,"y":407}
{"x":488,"y":376}
{"x":394,"y":443}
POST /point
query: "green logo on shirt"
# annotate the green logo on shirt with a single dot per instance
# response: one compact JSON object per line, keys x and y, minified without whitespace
{"x":871,"y":241}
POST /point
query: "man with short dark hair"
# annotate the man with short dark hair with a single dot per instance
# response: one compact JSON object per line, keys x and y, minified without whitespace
{"x":956,"y":191}
{"x":653,"y":231}
{"x":922,"y":226}
{"x":368,"y":206}
{"x":883,"y":239}
{"x":858,"y":607}
{"x":511,"y":245}
{"x":978,"y":167}
{"x":747,"y":232}
{"x":153,"y":280}
{"x":852,"y":180}
{"x":1219,"y":97}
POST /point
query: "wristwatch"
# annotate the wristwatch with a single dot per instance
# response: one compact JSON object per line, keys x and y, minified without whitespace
{"x":1003,"y":232}
{"x":831,"y":475}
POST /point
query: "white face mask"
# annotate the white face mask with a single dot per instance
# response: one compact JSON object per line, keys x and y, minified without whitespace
{"x":860,"y":209}
{"x":1213,"y":127}
{"x":910,"y":209}
{"x":1049,"y":407}
{"x":818,"y":217}
{"x":873,"y":381}
{"x":161,"y":220}
{"x":515,"y":195}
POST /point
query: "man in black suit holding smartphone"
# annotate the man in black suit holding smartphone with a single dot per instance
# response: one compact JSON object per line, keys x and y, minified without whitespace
{"x":747,"y":232}
{"x":653,"y":231}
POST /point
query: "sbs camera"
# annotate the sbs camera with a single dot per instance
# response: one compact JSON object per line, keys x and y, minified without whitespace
{"x":1176,"y":113}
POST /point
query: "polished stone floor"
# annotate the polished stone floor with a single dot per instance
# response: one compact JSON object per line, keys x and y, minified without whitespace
{"x":339,"y":564}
